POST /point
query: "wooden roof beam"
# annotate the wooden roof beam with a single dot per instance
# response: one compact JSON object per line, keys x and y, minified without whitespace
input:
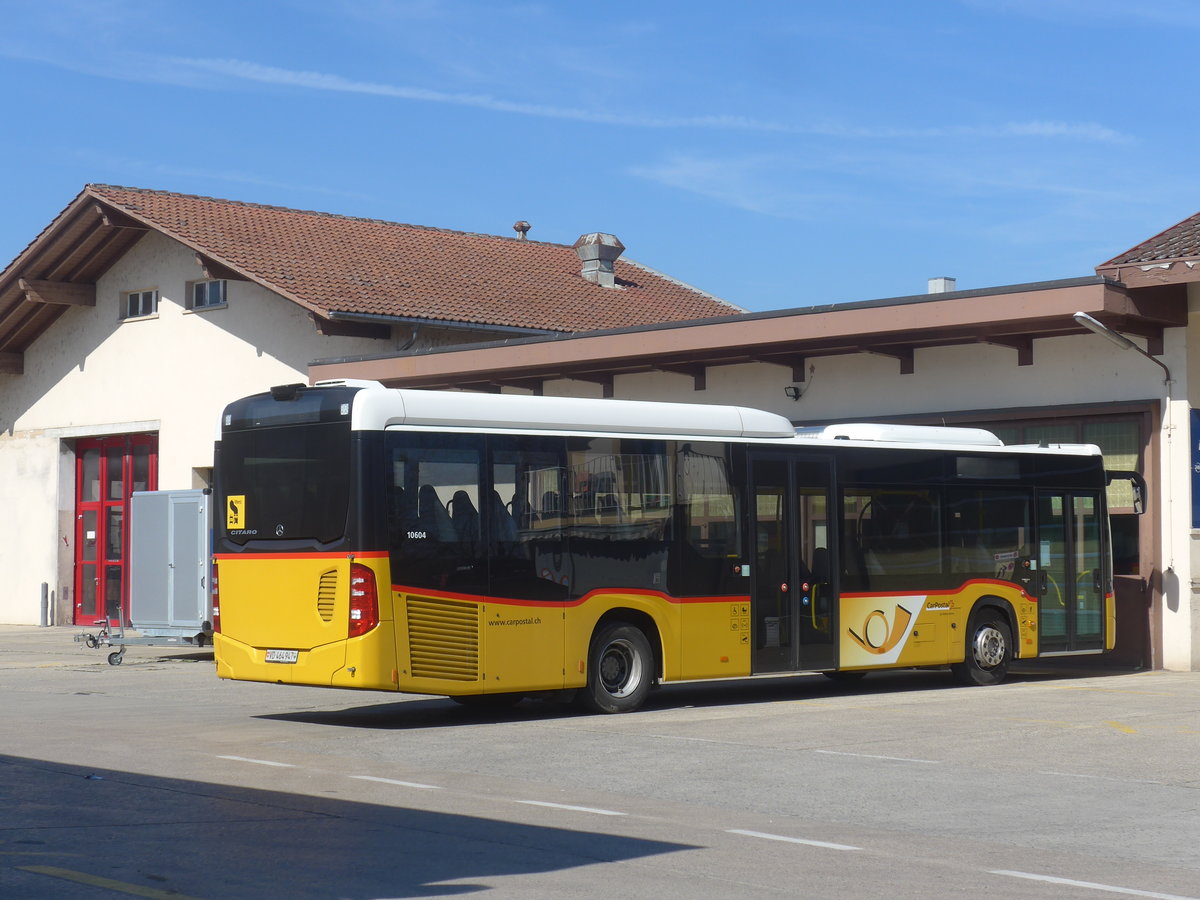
{"x":217,"y":271}
{"x":698,"y":374}
{"x":904,"y":354}
{"x":60,"y":293}
{"x":1152,"y":333}
{"x":536,"y":385}
{"x":797,"y":362}
{"x":341,"y":328}
{"x":605,"y":381}
{"x":113,"y":218}
{"x":1023,"y":346}
{"x":12,"y":363}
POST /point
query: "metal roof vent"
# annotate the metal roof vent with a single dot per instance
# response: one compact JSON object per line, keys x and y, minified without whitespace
{"x":522,"y":229}
{"x":598,"y":251}
{"x":942,"y":285}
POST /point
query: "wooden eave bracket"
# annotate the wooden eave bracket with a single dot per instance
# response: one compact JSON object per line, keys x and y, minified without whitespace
{"x":605,"y":381}
{"x":58,"y":293}
{"x":797,"y":363}
{"x":12,"y":363}
{"x":112,"y":218}
{"x":529,"y":384}
{"x":217,"y":271}
{"x":698,"y":374}
{"x":1022,"y":344}
{"x":904,"y":354}
{"x":1152,"y":333}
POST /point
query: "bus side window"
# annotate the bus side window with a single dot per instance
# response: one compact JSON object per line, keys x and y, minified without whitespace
{"x":526,"y":547}
{"x":434,"y":507}
{"x":709,"y":547}
{"x":893,"y":538}
{"x":619,"y":516}
{"x":989,"y":532}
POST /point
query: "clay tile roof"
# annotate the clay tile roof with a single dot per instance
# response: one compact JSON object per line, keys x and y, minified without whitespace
{"x":330,"y":263}
{"x":1180,"y":241}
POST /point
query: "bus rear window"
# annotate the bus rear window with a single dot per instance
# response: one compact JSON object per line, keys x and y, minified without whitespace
{"x":288,"y":483}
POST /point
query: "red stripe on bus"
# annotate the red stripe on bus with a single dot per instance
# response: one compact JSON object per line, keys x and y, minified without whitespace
{"x":940,"y":593}
{"x":360,"y":554}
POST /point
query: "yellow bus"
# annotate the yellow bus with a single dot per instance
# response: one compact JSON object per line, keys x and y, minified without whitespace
{"x":489,"y":547}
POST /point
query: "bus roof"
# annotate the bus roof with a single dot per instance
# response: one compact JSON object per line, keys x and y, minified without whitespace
{"x":377,"y":407}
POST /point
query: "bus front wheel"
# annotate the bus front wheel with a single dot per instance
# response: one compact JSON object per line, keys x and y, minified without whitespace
{"x":988,"y":650}
{"x":620,"y":666}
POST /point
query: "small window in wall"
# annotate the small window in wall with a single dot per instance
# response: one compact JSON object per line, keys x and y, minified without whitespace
{"x":206,"y":294}
{"x":135,"y":304}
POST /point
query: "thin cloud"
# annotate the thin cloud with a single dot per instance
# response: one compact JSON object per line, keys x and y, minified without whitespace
{"x":752,"y":184}
{"x":243,"y":70}
{"x":142,"y":167}
{"x":1084,"y":13}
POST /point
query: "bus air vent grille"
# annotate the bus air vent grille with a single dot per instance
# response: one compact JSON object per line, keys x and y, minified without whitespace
{"x":327,"y":595}
{"x":443,"y":638}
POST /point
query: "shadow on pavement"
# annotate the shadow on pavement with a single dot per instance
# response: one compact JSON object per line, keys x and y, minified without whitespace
{"x":64,"y":829}
{"x":436,"y":712}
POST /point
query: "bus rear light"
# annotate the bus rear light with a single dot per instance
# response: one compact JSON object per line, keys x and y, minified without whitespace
{"x":216,"y":603}
{"x":364,"y":601}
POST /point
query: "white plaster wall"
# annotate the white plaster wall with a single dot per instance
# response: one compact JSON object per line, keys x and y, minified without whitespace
{"x":28,"y":530}
{"x":92,"y":373}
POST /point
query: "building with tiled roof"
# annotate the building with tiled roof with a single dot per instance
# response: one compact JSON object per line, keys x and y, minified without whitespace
{"x":136,"y":315}
{"x":342,"y":269}
{"x":1170,"y":257}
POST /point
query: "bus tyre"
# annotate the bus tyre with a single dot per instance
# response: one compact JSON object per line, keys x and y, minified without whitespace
{"x":620,"y":665}
{"x":988,"y":650}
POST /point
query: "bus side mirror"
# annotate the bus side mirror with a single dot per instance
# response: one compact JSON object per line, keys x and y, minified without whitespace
{"x":1137,"y":485}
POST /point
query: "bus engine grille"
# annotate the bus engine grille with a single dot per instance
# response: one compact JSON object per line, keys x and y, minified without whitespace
{"x":443,"y":639}
{"x":327,"y":595}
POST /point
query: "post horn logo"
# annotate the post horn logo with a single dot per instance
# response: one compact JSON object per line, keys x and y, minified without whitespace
{"x":876,"y":637}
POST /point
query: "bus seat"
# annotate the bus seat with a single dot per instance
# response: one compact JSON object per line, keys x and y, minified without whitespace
{"x":434,"y":519}
{"x":503,"y":528}
{"x":465,"y":517}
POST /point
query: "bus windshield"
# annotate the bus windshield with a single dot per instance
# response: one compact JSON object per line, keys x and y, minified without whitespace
{"x":292,"y":482}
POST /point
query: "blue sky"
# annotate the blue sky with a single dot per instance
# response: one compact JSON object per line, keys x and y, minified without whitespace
{"x":777,"y":154}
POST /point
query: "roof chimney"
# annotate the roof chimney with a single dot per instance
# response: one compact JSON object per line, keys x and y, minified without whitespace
{"x":598,"y":252}
{"x":942,"y":285}
{"x":522,"y":229}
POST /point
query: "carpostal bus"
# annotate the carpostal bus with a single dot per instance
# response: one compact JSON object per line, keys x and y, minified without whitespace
{"x":488,"y":547}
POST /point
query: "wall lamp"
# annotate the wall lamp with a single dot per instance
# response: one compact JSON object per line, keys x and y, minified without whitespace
{"x":1120,"y":340}
{"x":792,"y":392}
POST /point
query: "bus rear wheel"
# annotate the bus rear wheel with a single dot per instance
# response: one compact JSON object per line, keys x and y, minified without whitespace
{"x":988,"y":650}
{"x":620,"y":669}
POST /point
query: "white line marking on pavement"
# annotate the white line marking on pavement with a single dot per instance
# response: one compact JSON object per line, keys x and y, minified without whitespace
{"x":587,"y":809}
{"x":258,"y":762}
{"x":792,"y":840}
{"x":927,"y":762}
{"x":411,"y":784}
{"x":1099,"y":777}
{"x":1131,"y":892}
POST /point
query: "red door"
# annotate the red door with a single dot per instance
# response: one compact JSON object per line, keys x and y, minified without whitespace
{"x":107,"y":471}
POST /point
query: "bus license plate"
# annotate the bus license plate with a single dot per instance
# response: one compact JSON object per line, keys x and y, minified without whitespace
{"x":283,"y":656}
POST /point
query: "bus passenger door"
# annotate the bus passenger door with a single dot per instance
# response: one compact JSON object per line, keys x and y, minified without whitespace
{"x":793,"y":590}
{"x":1071,"y":589}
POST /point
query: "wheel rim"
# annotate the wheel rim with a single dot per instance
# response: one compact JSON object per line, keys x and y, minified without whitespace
{"x":620,"y":668}
{"x":989,"y":647}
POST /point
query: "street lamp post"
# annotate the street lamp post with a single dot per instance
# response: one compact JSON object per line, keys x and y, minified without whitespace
{"x":1092,"y":324}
